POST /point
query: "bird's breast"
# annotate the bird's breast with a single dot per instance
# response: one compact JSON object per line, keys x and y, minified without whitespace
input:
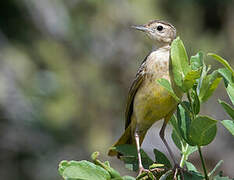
{"x":152,"y":102}
{"x":157,"y":64}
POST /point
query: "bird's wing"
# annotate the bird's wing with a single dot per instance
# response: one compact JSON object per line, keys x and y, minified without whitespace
{"x":133,"y":90}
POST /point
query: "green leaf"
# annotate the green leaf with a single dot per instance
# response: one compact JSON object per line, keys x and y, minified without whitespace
{"x":229,"y":125}
{"x":190,"y":166}
{"x":161,"y":158}
{"x":223,"y":61}
{"x":130,"y":157}
{"x":229,"y":82}
{"x":184,"y":120}
{"x":216,"y":167}
{"x":190,"y":79}
{"x":146,"y":161}
{"x":196,"y":61}
{"x":195,"y":102}
{"x":203,"y":75}
{"x":174,"y":123}
{"x":105,"y":165}
{"x":218,"y":177}
{"x":154,"y":165}
{"x":127,"y":150}
{"x":166,"y":84}
{"x":209,"y":84}
{"x":142,"y":176}
{"x":180,"y":131}
{"x":202,"y":131}
{"x":179,"y":60}
{"x":191,"y":149}
{"x":164,"y":176}
{"x":176,"y":134}
{"x":131,"y":162}
{"x":62,"y":165}
{"x":227,"y":108}
{"x":82,"y":170}
{"x":113,"y":173}
{"x":95,"y":155}
{"x":193,"y":176}
{"x":128,"y":178}
{"x":151,"y":175}
{"x":230,"y":91}
{"x":227,"y":75}
{"x":176,"y":139}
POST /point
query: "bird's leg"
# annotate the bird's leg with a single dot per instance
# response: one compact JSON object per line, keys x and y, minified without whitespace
{"x":137,"y":139}
{"x":177,"y":167}
{"x":162,"y":136}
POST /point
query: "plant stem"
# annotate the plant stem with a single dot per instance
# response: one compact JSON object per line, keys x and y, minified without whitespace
{"x":184,"y":156}
{"x":203,"y":163}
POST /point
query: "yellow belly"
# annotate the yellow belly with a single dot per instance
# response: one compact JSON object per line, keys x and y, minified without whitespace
{"x":152,"y":103}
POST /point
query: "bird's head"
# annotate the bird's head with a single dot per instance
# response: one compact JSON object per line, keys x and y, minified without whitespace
{"x":161,"y":32}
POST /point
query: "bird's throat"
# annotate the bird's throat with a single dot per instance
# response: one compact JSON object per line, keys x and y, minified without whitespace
{"x":157,"y":64}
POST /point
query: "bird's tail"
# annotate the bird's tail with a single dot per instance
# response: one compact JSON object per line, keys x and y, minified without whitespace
{"x":126,"y":138}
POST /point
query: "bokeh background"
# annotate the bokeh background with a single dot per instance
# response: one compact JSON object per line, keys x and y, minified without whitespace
{"x":66,"y":67}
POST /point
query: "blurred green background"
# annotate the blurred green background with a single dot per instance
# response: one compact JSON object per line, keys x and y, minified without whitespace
{"x":66,"y":67}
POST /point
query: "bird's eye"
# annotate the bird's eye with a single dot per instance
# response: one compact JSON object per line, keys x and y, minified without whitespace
{"x":159,"y":28}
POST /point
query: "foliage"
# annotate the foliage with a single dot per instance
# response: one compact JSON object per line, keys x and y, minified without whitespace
{"x":190,"y":129}
{"x":86,"y":170}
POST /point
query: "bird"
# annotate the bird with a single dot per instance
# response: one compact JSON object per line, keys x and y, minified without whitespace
{"x":147,"y":101}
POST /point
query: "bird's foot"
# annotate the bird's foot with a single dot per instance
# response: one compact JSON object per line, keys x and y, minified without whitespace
{"x":142,"y":172}
{"x":178,"y":170}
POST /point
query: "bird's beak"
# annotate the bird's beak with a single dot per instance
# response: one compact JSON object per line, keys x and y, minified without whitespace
{"x":142,"y":28}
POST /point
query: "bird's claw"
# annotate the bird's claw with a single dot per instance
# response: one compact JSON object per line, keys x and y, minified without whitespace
{"x":142,"y":170}
{"x":178,"y":170}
